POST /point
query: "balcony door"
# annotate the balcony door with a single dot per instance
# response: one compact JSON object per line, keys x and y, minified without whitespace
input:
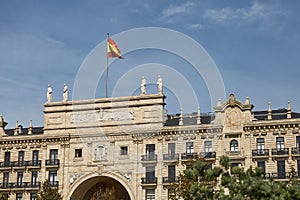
{"x":7,"y":158}
{"x":53,"y":154}
{"x":298,"y":144}
{"x":281,"y":168}
{"x":171,"y":150}
{"x":260,"y":146}
{"x":150,"y":150}
{"x":150,"y":173}
{"x":171,"y":172}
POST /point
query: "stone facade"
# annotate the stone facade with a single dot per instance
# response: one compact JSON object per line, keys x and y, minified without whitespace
{"x":132,"y":144}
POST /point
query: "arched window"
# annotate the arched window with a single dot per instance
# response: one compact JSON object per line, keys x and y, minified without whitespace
{"x":234,"y":145}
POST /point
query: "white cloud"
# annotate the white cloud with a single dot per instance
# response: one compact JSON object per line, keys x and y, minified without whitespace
{"x":177,"y":9}
{"x":196,"y":26}
{"x":256,"y":11}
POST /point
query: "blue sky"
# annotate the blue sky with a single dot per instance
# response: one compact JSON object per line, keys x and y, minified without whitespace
{"x":255,"y":45}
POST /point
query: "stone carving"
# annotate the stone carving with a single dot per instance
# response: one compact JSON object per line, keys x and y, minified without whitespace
{"x":65,"y":94}
{"x":74,"y":177}
{"x":233,"y":118}
{"x":100,"y":153}
{"x":159,"y":85}
{"x":143,"y":86}
{"x":101,"y":115}
{"x":127,"y":175}
{"x":49,"y":93}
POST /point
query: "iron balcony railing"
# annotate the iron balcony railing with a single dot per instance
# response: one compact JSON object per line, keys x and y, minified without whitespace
{"x":295,"y":150}
{"x":260,"y":152}
{"x":208,"y":154}
{"x":152,"y":180}
{"x":171,"y":156}
{"x":20,"y":185}
{"x":283,"y":151}
{"x":149,"y":157}
{"x":188,"y":156}
{"x":170,"y":179}
{"x":275,"y":175}
{"x":21,"y":163}
{"x":52,"y":162}
{"x":53,"y":183}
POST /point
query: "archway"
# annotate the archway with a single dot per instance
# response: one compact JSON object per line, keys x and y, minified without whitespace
{"x":89,"y":189}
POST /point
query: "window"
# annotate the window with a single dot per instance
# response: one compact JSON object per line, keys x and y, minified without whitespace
{"x":5,"y":178}
{"x":19,"y":196}
{"x":298,"y":144}
{"x":298,"y":167}
{"x":262,"y":165}
{"x":78,"y":153}
{"x":33,"y":196}
{"x":35,"y":157}
{"x":124,"y":150}
{"x":207,"y":146}
{"x":190,"y":147}
{"x":150,"y":194}
{"x":20,"y":179}
{"x":34,"y":178}
{"x":171,"y":149}
{"x":280,"y":143}
{"x":53,"y":154}
{"x":281,"y":168}
{"x":234,"y":145}
{"x":53,"y":178}
{"x":21,"y":158}
{"x":260,"y":142}
{"x":150,"y":149}
{"x":171,"y":173}
{"x":150,"y":173}
{"x":7,"y":158}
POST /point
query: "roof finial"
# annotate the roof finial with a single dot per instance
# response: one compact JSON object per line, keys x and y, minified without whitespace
{"x":30,"y":128}
{"x":269,"y":111}
{"x":159,"y":85}
{"x":198,"y":116}
{"x":219,"y":103}
{"x":17,"y":128}
{"x":180,"y":118}
{"x":289,"y":112}
{"x":247,"y":101}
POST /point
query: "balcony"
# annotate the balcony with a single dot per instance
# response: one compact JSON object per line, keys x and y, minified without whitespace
{"x":53,"y":183}
{"x":280,"y":153}
{"x":33,"y":163}
{"x":274,"y":175}
{"x":5,"y":165}
{"x":23,"y":185}
{"x":295,"y":152}
{"x":260,"y":153}
{"x":188,"y":156}
{"x":235,"y":155}
{"x":18,"y":164}
{"x":171,"y":158}
{"x":208,"y":155}
{"x":149,"y":181}
{"x":52,"y":163}
{"x":149,"y":158}
{"x":169,"y":180}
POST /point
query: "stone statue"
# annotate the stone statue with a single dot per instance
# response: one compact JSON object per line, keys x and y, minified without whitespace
{"x":49,"y":93}
{"x":65,"y":94}
{"x":143,"y":86}
{"x":159,"y":85}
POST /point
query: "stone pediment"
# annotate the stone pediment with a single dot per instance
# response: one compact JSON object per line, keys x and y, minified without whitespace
{"x":232,"y":102}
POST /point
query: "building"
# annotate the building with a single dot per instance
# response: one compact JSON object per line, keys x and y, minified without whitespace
{"x":130,"y":143}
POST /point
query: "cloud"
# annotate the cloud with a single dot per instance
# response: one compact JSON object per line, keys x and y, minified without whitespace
{"x":177,"y":9}
{"x":171,"y":13}
{"x":196,"y":26}
{"x":256,"y":11}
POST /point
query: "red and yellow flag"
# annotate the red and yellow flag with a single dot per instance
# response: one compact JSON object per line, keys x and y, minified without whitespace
{"x":113,"y":49}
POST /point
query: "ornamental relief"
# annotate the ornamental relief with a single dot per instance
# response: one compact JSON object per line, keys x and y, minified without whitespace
{"x":233,"y":119}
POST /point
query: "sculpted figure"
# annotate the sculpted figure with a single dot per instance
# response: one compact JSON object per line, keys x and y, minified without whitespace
{"x":65,"y":94}
{"x":159,"y":85}
{"x":49,"y":93}
{"x":143,"y":86}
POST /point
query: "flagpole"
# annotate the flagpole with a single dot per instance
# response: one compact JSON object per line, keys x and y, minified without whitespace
{"x":106,"y":84}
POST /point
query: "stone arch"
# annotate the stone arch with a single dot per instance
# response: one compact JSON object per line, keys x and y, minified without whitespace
{"x":89,"y":180}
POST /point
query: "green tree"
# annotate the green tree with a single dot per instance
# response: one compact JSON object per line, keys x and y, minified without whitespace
{"x":48,"y":192}
{"x":236,"y":183}
{"x":3,"y":196}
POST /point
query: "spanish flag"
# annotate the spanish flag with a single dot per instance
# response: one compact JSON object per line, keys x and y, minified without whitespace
{"x":113,"y":49}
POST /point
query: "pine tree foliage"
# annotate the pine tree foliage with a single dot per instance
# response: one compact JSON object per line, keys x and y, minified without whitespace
{"x":236,"y":183}
{"x":3,"y":196}
{"x":48,"y":192}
